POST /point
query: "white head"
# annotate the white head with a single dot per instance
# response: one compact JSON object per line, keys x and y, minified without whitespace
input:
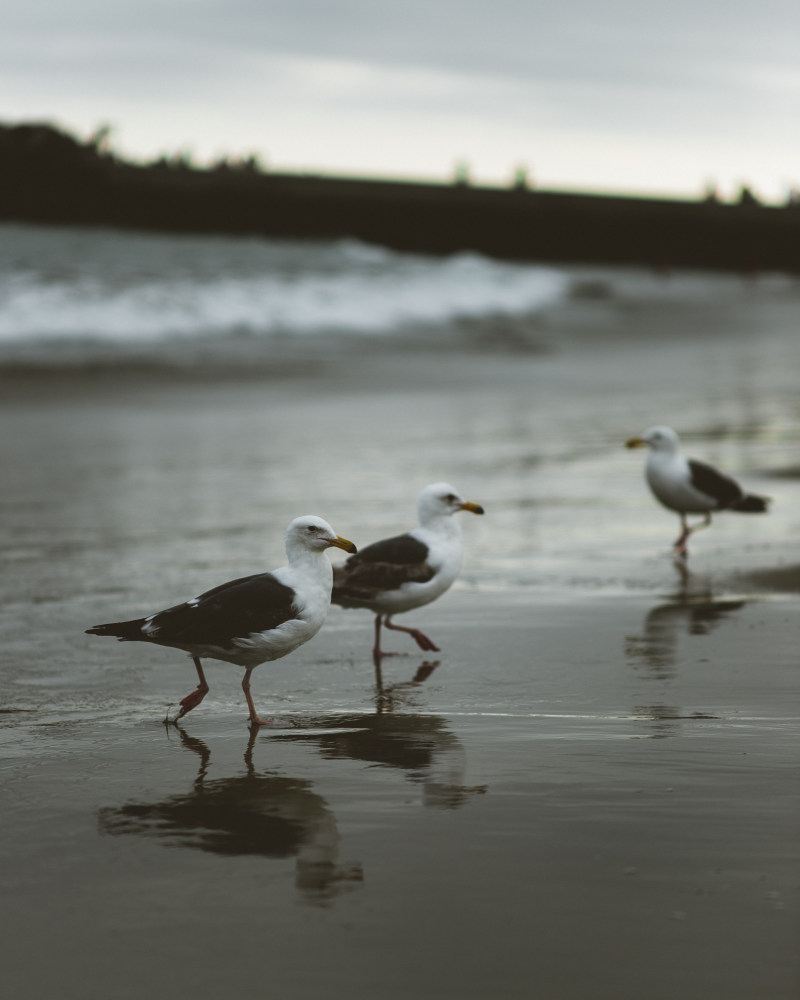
{"x":441,"y":500}
{"x":311,"y":533}
{"x":660,"y":438}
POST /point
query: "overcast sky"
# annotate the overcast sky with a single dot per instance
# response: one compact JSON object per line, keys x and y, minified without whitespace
{"x":620,"y":95}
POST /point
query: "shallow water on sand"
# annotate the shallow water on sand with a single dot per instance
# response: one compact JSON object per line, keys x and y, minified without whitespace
{"x":590,"y":791}
{"x":571,"y":793}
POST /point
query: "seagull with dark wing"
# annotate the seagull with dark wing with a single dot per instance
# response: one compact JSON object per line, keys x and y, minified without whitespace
{"x":407,"y":571}
{"x":688,"y":486}
{"x":250,"y":620}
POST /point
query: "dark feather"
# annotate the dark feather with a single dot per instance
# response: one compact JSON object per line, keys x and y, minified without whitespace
{"x":708,"y":480}
{"x":131,"y":630}
{"x":384,"y":565}
{"x":751,"y":504}
{"x":233,"y":610}
{"x":401,"y":550}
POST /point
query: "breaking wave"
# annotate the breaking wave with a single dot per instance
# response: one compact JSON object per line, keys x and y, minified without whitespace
{"x":130,"y":288}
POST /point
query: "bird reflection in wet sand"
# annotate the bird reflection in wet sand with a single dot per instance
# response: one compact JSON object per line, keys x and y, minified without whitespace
{"x":252,"y":814}
{"x":691,"y":612}
{"x":664,"y":624}
{"x":390,"y":697}
{"x":420,"y":745}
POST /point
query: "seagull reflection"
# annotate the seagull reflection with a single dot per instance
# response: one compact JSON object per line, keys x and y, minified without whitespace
{"x":422,"y":746}
{"x":253,"y":814}
{"x":664,"y":624}
{"x":692,"y":611}
{"x":390,"y":697}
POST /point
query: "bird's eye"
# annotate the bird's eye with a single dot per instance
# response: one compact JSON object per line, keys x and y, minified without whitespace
{"x":451,"y":498}
{"x":312,"y":527}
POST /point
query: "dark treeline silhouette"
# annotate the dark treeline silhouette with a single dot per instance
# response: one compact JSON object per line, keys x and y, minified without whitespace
{"x":48,"y":176}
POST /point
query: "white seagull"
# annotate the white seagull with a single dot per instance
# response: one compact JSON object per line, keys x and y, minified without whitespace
{"x":688,"y":486}
{"x":407,"y":571}
{"x":250,"y":620}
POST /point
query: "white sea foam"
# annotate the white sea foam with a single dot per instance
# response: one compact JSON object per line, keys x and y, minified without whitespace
{"x":62,"y":284}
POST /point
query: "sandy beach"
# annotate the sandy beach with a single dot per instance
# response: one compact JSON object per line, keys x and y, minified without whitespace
{"x":591,"y":792}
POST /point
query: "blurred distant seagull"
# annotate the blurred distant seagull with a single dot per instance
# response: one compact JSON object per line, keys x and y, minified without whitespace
{"x":252,"y":619}
{"x":407,"y":571}
{"x":690,"y":487}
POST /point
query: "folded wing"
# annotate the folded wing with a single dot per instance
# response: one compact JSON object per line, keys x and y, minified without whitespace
{"x":380,"y":567}
{"x":233,"y":610}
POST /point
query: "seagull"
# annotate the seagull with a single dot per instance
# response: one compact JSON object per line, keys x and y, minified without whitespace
{"x":250,"y":620}
{"x":407,"y":571}
{"x":688,"y":486}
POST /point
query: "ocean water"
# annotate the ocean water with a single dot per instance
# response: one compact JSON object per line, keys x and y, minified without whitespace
{"x":72,"y":294}
{"x":108,"y":286}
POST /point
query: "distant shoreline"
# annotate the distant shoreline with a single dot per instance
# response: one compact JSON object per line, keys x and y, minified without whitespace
{"x":47,"y":176}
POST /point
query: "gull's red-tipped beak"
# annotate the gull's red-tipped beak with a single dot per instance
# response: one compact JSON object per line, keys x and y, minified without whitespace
{"x":343,"y":543}
{"x":473,"y":508}
{"x":635,"y":442}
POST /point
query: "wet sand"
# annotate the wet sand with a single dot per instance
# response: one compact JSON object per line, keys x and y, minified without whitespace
{"x":590,"y":792}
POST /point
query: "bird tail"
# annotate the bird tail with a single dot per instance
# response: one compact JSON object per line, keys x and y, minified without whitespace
{"x":122,"y":630}
{"x":751,"y":504}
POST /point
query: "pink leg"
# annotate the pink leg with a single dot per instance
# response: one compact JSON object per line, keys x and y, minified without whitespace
{"x":679,"y":548}
{"x":680,"y":545}
{"x":706,"y":523}
{"x":254,"y":719}
{"x":193,"y":700}
{"x":419,"y":637}
{"x":377,"y":653}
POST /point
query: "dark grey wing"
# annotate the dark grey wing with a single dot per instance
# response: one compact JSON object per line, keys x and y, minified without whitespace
{"x":401,"y":550}
{"x":708,"y":480}
{"x":384,"y":565}
{"x":233,"y":610}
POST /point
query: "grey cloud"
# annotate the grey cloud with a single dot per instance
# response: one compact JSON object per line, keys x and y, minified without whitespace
{"x":619,"y":40}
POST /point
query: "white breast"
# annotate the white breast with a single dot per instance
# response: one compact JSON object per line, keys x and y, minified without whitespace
{"x":669,"y":477}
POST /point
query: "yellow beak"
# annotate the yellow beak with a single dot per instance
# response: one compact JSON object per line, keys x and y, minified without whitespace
{"x":635,"y":442}
{"x":343,"y":543}
{"x":473,"y":508}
